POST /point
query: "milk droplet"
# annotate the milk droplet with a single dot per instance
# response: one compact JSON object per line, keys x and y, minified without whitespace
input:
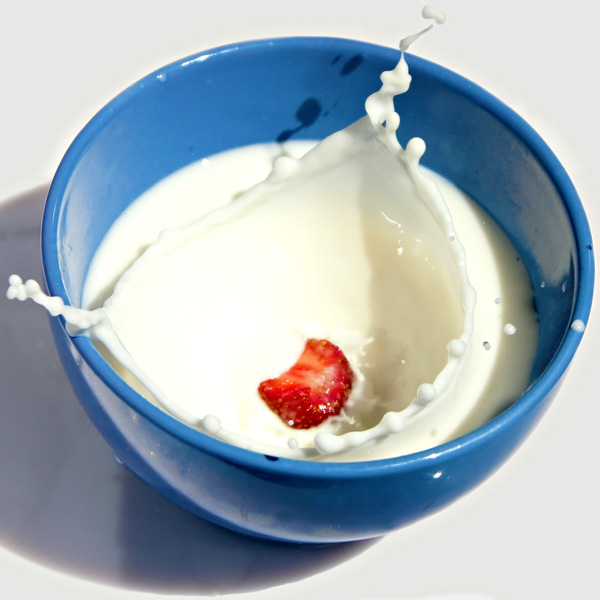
{"x":426,"y":393}
{"x":432,"y":12}
{"x":326,"y":443}
{"x":457,"y":348}
{"x":32,"y":287}
{"x":510,"y":329}
{"x":393,"y":422}
{"x":415,"y":148}
{"x":578,"y":325}
{"x":428,"y":12}
{"x":211,"y":424}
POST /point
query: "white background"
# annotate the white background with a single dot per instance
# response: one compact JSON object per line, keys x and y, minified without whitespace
{"x":529,"y":532}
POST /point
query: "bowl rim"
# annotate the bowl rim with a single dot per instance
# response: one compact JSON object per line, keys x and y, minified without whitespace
{"x":321,"y":469}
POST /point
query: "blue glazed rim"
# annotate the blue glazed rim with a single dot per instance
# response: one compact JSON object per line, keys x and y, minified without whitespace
{"x":321,"y":470}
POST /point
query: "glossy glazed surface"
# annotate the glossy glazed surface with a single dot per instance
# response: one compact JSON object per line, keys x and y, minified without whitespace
{"x":188,"y":462}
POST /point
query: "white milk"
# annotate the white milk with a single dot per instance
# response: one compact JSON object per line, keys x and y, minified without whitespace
{"x":225,"y":360}
{"x":350,"y":243}
{"x":503,"y":343}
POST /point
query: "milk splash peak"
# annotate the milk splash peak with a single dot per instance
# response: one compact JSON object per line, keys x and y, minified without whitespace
{"x":361,"y":165}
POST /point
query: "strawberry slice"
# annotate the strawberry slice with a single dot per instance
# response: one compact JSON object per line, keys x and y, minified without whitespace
{"x":315,"y":388}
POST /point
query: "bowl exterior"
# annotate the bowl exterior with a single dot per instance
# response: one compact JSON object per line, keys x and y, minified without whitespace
{"x":272,"y":499}
{"x":307,"y":88}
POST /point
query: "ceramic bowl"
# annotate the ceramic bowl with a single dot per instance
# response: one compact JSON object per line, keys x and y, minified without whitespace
{"x":293,"y":89}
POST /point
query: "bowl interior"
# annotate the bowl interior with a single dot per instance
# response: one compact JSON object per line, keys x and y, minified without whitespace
{"x":306,"y":88}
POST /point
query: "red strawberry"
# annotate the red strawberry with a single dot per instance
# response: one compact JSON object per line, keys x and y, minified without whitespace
{"x":315,"y":388}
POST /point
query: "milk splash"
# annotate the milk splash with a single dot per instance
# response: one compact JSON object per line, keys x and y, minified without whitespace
{"x":362,"y":146}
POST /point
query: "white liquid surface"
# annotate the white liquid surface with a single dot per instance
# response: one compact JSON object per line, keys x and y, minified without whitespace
{"x":238,"y":334}
{"x":350,"y":243}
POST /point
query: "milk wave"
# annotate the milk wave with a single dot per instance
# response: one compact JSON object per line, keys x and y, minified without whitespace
{"x":373,"y":137}
{"x":379,"y":127}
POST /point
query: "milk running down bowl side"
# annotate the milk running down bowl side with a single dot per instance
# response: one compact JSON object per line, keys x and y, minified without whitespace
{"x":309,"y":88}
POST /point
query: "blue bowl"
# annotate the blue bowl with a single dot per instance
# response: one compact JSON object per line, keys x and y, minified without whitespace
{"x":308,"y":88}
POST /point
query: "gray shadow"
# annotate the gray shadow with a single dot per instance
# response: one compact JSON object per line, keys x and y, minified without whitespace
{"x":64,"y":501}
